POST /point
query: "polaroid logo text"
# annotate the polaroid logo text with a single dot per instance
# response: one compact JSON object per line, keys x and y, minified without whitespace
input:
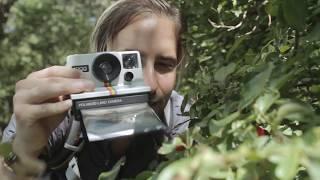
{"x":100,"y":103}
{"x":83,"y":68}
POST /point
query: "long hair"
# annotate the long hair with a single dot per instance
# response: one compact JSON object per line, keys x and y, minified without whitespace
{"x":119,"y":15}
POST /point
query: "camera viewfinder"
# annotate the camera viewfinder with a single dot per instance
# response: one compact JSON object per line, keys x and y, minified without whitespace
{"x":130,"y":61}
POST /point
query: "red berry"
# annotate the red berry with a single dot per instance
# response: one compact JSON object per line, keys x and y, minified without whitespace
{"x":180,"y":148}
{"x":260,"y":131}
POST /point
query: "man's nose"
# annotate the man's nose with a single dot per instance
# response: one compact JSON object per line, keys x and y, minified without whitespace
{"x":150,"y":78}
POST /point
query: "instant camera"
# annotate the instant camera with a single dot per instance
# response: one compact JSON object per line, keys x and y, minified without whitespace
{"x":119,"y":104}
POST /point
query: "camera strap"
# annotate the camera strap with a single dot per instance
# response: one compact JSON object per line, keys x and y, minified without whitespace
{"x":72,"y":172}
{"x":109,"y":87}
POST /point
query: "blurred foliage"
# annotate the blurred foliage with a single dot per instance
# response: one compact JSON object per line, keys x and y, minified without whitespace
{"x":252,"y":75}
{"x":38,"y":34}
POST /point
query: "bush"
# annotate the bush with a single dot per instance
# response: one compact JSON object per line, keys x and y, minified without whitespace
{"x":253,"y":75}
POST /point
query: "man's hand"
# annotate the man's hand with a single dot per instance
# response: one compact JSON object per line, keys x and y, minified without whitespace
{"x":39,"y":106}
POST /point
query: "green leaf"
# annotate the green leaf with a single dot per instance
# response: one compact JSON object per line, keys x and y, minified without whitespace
{"x":288,"y":164}
{"x":311,"y":137}
{"x":5,"y":149}
{"x":171,"y":146}
{"x":314,"y":35}
{"x":315,"y":89}
{"x":288,"y":132}
{"x":248,"y":172}
{"x":281,"y":80}
{"x":283,"y":49}
{"x":272,"y":7}
{"x":263,"y":103}
{"x":144,"y":175}
{"x":179,"y":169}
{"x":295,"y":13}
{"x":313,"y":167}
{"x":252,"y":89}
{"x":210,"y":115}
{"x":295,"y":112}
{"x":224,"y":72}
{"x":215,"y":126}
{"x":113,"y":173}
{"x":235,"y":46}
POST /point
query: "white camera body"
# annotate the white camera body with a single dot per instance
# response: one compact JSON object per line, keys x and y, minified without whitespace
{"x":121,"y":70}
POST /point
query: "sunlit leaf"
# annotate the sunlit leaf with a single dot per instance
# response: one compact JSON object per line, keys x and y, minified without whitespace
{"x":313,"y":169}
{"x":171,"y":146}
{"x":288,"y":164}
{"x":263,"y":103}
{"x":284,"y":48}
{"x":295,"y":112}
{"x":179,"y":169}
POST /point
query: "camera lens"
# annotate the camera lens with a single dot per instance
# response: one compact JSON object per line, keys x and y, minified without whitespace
{"x":106,"y":67}
{"x":128,"y":76}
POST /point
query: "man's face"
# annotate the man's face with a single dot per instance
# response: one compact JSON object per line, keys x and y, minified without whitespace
{"x":154,"y":37}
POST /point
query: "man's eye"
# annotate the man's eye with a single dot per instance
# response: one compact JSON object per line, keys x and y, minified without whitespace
{"x":164,"y":67}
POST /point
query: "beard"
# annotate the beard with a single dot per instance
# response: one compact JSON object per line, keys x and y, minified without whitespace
{"x":158,"y":106}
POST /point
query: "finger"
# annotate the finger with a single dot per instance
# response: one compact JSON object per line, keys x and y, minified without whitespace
{"x":56,"y":71}
{"x":27,"y":113}
{"x":26,"y":84}
{"x":54,"y":121}
{"x":49,"y":88}
{"x":50,"y":109}
{"x":31,"y":83}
